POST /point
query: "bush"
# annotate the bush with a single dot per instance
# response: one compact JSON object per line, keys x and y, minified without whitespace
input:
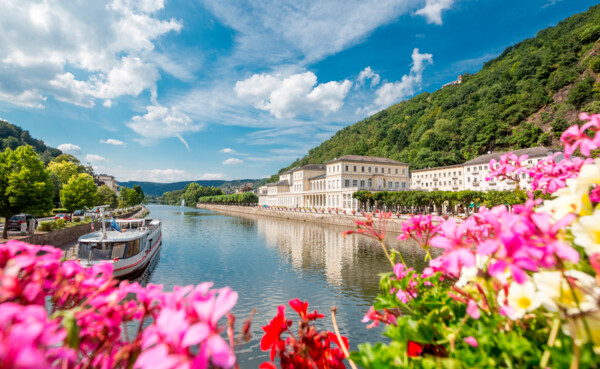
{"x":559,"y":126}
{"x":47,"y":226}
{"x":76,"y":219}
{"x":60,"y":223}
{"x":595,"y":65}
{"x":581,"y":92}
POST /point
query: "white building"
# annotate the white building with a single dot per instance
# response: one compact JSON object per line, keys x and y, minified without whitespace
{"x":447,"y":178}
{"x":331,"y":185}
{"x":103,"y":179}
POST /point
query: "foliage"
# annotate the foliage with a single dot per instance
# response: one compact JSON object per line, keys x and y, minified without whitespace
{"x":140,"y":193}
{"x":106,"y":196}
{"x":191,"y":194}
{"x":47,"y":226}
{"x":12,"y":137}
{"x":595,"y":64}
{"x":128,"y":197}
{"x":234,"y":199}
{"x":60,"y":223}
{"x":79,"y":192}
{"x":59,"y":210}
{"x":57,"y":314}
{"x":64,"y":170}
{"x":25,"y":185}
{"x":490,"y":110}
{"x":76,"y":219}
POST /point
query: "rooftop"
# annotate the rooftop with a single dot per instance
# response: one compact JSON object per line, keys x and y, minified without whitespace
{"x":366,"y":159}
{"x":532,"y":152}
{"x":318,"y":177}
{"x":437,"y":168}
{"x":279,"y":183}
{"x":310,"y":167}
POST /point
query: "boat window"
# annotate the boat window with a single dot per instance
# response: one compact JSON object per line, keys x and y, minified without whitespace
{"x":118,"y":249}
{"x":82,"y":253}
{"x":133,"y":248}
{"x":101,"y":251}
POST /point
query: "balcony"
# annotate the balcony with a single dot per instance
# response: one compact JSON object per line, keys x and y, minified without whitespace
{"x":492,"y":183}
{"x":455,"y":178}
{"x":475,"y":184}
{"x":455,"y":188}
{"x":435,"y":179}
{"x":435,"y":189}
{"x":476,"y":173}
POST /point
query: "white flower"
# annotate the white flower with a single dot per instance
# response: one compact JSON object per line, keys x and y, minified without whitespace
{"x":570,"y":199}
{"x":593,"y":323}
{"x":587,"y":232}
{"x":589,"y":174}
{"x":555,"y":292}
{"x":522,"y":298}
{"x":469,"y":274}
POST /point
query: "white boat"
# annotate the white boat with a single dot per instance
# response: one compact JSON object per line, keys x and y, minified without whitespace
{"x":130,"y":250}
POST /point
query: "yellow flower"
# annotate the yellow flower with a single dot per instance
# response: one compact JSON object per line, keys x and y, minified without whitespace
{"x":570,"y":199}
{"x":522,"y":298}
{"x":578,"y":297}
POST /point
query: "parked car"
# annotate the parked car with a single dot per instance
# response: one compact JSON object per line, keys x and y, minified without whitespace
{"x":14,"y":223}
{"x":78,"y":213}
{"x":65,"y":216}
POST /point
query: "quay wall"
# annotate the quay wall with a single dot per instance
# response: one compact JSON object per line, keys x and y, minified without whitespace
{"x":60,"y":236}
{"x":394,"y":224}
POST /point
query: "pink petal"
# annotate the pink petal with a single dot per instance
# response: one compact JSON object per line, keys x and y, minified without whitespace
{"x":195,"y":334}
{"x":473,"y":310}
{"x":471,"y":341}
{"x":220,"y":353}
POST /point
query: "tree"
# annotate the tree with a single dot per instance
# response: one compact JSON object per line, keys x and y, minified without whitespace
{"x":106,"y":196}
{"x":64,"y":170}
{"x":140,"y":193}
{"x":128,"y":197}
{"x":79,"y":192}
{"x":25,"y":185}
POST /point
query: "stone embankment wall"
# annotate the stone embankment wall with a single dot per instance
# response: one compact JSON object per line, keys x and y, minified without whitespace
{"x":394,"y":224}
{"x":60,"y":236}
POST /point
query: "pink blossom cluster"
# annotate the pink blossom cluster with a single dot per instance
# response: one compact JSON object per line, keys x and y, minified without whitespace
{"x":420,"y":228}
{"x":509,"y":167}
{"x":511,"y":242}
{"x":585,"y":138}
{"x":549,"y":175}
{"x":91,"y":315}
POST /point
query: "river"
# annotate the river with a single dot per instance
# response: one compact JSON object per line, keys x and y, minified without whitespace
{"x":270,"y":261}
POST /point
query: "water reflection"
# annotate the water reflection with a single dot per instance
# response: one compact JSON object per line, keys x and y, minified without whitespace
{"x":269,"y":261}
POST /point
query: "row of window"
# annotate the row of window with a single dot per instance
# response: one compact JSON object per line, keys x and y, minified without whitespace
{"x":364,"y":169}
{"x":435,"y":175}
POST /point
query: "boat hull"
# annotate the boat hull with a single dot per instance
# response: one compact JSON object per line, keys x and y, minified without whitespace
{"x":136,"y":268}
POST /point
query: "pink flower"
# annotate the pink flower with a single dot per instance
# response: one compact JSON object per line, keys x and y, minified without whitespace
{"x":509,"y":167}
{"x":471,"y":341}
{"x":473,"y":310}
{"x":575,"y":137}
{"x":456,"y":245}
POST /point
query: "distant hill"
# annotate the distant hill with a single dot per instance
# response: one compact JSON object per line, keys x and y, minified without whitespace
{"x":525,"y":97}
{"x":13,"y":136}
{"x":157,"y":189}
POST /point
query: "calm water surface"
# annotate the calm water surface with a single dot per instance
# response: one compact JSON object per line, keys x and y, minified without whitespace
{"x":270,"y":261}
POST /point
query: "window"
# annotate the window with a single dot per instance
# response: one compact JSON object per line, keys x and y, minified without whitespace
{"x":403,"y":184}
{"x":389,"y":170}
{"x":347,"y":183}
{"x":355,"y":168}
{"x":468,"y":179}
{"x":354,"y":183}
{"x":468,"y":169}
{"x":370,"y":183}
{"x":133,"y":248}
{"x":346,"y":168}
{"x":397,"y":171}
{"x":390,"y":184}
{"x":403,"y":171}
{"x":369,"y":169}
{"x":362,"y":183}
{"x":363,"y":169}
{"x":118,"y":249}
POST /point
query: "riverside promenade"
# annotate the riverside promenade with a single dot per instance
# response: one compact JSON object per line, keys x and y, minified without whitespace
{"x":394,"y":224}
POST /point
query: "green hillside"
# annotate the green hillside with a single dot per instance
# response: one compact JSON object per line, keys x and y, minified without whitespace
{"x":523,"y":98}
{"x":12,"y":136}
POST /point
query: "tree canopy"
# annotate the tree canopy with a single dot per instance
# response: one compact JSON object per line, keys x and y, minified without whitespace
{"x":25,"y":185}
{"x":79,"y":192}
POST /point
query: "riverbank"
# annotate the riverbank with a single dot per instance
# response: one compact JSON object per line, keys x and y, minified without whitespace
{"x":344,"y":220}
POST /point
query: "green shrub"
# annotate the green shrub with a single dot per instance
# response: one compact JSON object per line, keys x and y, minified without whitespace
{"x":581,"y":92}
{"x":76,"y":219}
{"x":559,"y":126}
{"x":60,"y":223}
{"x":595,"y":64}
{"x":47,"y":226}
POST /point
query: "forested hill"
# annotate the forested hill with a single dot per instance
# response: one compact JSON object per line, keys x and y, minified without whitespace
{"x":13,"y":136}
{"x":523,"y":98}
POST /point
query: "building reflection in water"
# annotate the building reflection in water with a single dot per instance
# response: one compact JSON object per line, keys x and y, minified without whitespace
{"x":320,"y":249}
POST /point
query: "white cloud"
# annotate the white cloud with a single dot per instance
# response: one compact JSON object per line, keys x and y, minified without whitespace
{"x":79,"y":51}
{"x":232,"y":161}
{"x":296,"y":94}
{"x":92,"y":158}
{"x":163,"y":122}
{"x":114,"y":142}
{"x":392,"y":92}
{"x":227,"y":150}
{"x":69,"y":148}
{"x":208,"y":176}
{"x":433,"y":10}
{"x":280,"y":30}
{"x":367,"y":74}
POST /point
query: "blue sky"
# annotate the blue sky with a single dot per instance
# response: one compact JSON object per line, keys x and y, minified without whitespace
{"x":170,"y":90}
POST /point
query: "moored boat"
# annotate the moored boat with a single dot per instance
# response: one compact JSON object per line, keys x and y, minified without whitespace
{"x":130,"y":247}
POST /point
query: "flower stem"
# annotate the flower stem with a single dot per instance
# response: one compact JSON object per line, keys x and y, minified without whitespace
{"x":387,"y":254}
{"x":339,"y":337}
{"x":551,"y":339}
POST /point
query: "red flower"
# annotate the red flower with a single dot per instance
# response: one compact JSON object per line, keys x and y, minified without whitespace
{"x":273,"y":332}
{"x":302,"y":309}
{"x":414,"y":349}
